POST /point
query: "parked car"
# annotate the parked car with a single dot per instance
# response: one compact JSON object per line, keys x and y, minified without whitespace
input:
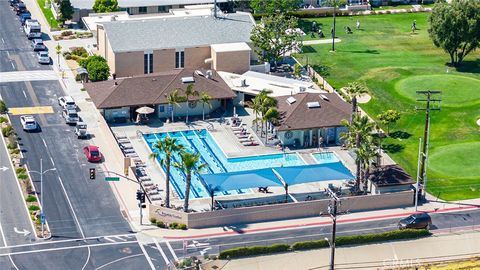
{"x":67,"y":103}
{"x":43,"y":57}
{"x":415,"y":221}
{"x":92,"y":153}
{"x":13,"y":2}
{"x":24,"y":17}
{"x":32,"y":29}
{"x":81,"y":130}
{"x":28,"y":123}
{"x":71,"y":116}
{"x":38,"y":45}
{"x":19,"y":8}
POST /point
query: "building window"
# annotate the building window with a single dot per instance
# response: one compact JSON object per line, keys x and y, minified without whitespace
{"x":147,"y":63}
{"x":142,"y":10}
{"x":162,"y":108}
{"x":162,"y":9}
{"x":180,"y":59}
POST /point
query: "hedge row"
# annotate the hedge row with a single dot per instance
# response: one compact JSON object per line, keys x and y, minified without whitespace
{"x":340,"y":241}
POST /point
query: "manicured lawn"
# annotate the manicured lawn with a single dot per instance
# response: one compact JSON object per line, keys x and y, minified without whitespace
{"x":393,"y":7}
{"x":394,"y":63}
{"x":47,"y":12}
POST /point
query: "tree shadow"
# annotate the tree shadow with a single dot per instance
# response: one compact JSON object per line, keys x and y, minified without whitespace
{"x":471,"y":66}
{"x":308,"y":49}
{"x":399,"y":134}
{"x":392,"y":148}
{"x":368,"y":51}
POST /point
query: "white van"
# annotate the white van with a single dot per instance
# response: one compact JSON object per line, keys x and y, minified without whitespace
{"x":32,"y":29}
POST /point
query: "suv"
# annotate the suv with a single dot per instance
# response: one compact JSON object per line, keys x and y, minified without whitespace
{"x":415,"y":221}
{"x":38,"y":45}
{"x":43,"y":58}
{"x":71,"y":116}
{"x":67,"y":103}
{"x":28,"y":123}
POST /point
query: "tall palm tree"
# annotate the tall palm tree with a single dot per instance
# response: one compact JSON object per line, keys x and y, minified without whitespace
{"x":354,"y":90}
{"x":190,"y":164}
{"x":169,"y":146}
{"x":271,"y":116}
{"x":173,"y":100}
{"x":266,"y":103}
{"x":205,"y":99}
{"x":255,"y":105}
{"x":359,"y":131}
{"x":367,"y":153}
{"x":189,"y":92}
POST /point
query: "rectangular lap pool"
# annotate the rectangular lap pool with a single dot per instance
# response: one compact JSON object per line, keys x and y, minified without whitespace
{"x":202,"y":142}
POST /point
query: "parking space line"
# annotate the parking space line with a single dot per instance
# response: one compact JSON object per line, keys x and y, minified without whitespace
{"x":171,"y":250}
{"x":164,"y":256}
{"x":149,"y":260}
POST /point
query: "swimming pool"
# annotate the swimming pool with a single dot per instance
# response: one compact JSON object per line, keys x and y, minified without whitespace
{"x":202,"y":142}
{"x":325,"y":157}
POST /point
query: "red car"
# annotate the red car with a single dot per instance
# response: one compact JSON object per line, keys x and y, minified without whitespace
{"x":92,"y":153}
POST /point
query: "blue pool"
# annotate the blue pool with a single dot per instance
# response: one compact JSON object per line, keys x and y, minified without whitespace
{"x":203,"y":143}
{"x":325,"y":157}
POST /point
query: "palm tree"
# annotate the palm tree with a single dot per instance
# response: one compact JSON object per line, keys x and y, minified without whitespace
{"x":271,"y":116}
{"x":367,"y":153}
{"x":205,"y":99}
{"x":190,"y":164}
{"x":173,"y":99}
{"x":354,"y":90}
{"x":255,"y":105}
{"x":266,"y":103}
{"x":169,"y":146}
{"x":359,"y":131}
{"x":188,"y":93}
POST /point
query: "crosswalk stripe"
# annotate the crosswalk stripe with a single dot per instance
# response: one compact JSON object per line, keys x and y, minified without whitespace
{"x":171,"y":250}
{"x":32,"y":75}
{"x":149,"y":260}
{"x":161,"y":251}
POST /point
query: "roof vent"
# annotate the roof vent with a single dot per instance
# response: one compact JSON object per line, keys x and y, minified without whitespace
{"x":302,"y":89}
{"x":209,"y":74}
{"x":188,"y":80}
{"x":314,"y":104}
{"x":324,"y":97}
{"x":200,"y":73}
{"x":291,"y":100}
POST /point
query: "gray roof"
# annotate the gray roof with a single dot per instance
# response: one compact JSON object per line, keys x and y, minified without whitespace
{"x":88,"y":4}
{"x":178,"y":32}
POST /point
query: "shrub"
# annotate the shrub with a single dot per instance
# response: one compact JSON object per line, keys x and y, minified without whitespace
{"x":66,"y":33}
{"x":79,"y":51}
{"x":161,"y":224}
{"x":20,"y":170}
{"x":153,"y":220}
{"x":3,"y":107}
{"x":31,"y":198}
{"x":182,"y":226}
{"x":378,"y":237}
{"x":98,"y":71}
{"x":33,"y":208}
{"x":187,"y":262}
{"x":7,"y":131}
{"x":15,"y":151}
{"x":173,"y":225}
{"x":256,"y":250}
{"x":310,"y":244}
{"x":3,"y":119}
{"x":12,"y":141}
{"x":22,"y":176}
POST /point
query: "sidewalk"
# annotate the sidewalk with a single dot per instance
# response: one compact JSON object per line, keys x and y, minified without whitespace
{"x":376,"y":256}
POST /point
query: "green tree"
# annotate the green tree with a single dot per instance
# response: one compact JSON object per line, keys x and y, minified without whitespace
{"x":173,"y":100}
{"x":297,"y":70}
{"x":206,"y":100}
{"x":455,"y":28}
{"x":103,"y":6}
{"x":66,"y":10}
{"x":98,"y":70}
{"x":271,"y":116}
{"x":274,"y":6}
{"x":354,"y":90}
{"x":366,"y":154}
{"x":266,"y":103}
{"x":255,"y":105}
{"x":168,"y":147}
{"x":359,"y":131}
{"x":190,"y":92}
{"x":273,"y":37}
{"x":388,"y":118}
{"x":190,"y":164}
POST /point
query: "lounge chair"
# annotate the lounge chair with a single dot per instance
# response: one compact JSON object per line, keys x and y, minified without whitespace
{"x":243,"y":136}
{"x":251,"y":143}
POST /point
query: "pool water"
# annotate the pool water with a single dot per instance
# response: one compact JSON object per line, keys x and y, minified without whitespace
{"x":202,"y":142}
{"x":325,"y":157}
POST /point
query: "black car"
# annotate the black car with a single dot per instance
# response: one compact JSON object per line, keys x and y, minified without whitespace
{"x":20,"y":8}
{"x":415,"y":221}
{"x":13,"y":2}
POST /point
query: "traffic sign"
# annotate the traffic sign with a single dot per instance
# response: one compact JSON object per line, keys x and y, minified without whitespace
{"x":42,"y":218}
{"x":112,"y":178}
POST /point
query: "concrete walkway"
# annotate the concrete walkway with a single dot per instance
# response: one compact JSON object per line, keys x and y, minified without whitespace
{"x":321,"y":41}
{"x":376,"y":256}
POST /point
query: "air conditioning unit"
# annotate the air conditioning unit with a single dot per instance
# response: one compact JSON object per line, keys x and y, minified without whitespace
{"x":302,"y":89}
{"x":209,"y":74}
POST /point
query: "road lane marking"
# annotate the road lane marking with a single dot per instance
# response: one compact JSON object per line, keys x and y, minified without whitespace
{"x":13,"y":66}
{"x":3,"y":40}
{"x":24,"y":94}
{"x":71,"y":207}
{"x":149,"y":260}
{"x":31,"y":110}
{"x":117,"y":260}
{"x":44,"y":143}
{"x":164,"y":256}
{"x":171,"y":250}
{"x":110,"y":240}
{"x":51,"y":159}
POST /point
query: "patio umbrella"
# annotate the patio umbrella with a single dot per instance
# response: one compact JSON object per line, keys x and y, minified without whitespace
{"x":145,"y":110}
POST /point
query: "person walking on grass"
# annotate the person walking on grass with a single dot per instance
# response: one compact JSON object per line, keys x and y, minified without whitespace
{"x":358,"y":24}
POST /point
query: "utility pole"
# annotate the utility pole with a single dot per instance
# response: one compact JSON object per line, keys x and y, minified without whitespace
{"x":432,"y":104}
{"x":332,"y":210}
{"x":41,"y":173}
{"x":334,"y":24}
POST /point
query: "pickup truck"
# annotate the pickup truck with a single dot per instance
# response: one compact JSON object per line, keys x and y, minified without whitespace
{"x":32,"y":29}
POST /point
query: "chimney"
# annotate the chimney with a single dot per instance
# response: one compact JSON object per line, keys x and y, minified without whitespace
{"x":115,"y":83}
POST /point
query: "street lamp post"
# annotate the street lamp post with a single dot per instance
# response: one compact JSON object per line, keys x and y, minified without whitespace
{"x":41,"y":173}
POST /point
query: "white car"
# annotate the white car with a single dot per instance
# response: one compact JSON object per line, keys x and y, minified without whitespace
{"x":43,"y":57}
{"x":71,"y":116}
{"x":28,"y":123}
{"x":67,"y":103}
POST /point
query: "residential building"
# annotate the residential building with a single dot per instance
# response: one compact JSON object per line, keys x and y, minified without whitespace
{"x":135,"y":47}
{"x":307,"y":119}
{"x":389,"y":178}
{"x":118,"y":99}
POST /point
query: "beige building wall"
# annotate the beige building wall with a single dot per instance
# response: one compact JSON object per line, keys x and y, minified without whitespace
{"x":128,"y":64}
{"x":234,"y":61}
{"x":104,"y":48}
{"x":195,"y":57}
{"x":163,"y":60}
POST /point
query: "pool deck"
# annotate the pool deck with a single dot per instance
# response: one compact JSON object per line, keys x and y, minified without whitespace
{"x":226,"y":139}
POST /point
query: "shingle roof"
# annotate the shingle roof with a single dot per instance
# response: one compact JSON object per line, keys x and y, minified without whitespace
{"x":390,"y":175}
{"x":298,"y":115}
{"x":178,"y":32}
{"x":153,"y":89}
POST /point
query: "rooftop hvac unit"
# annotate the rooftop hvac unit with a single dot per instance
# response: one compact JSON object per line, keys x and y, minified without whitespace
{"x":209,"y":74}
{"x":314,"y":104}
{"x":243,"y":82}
{"x":291,"y":100}
{"x":188,"y":80}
